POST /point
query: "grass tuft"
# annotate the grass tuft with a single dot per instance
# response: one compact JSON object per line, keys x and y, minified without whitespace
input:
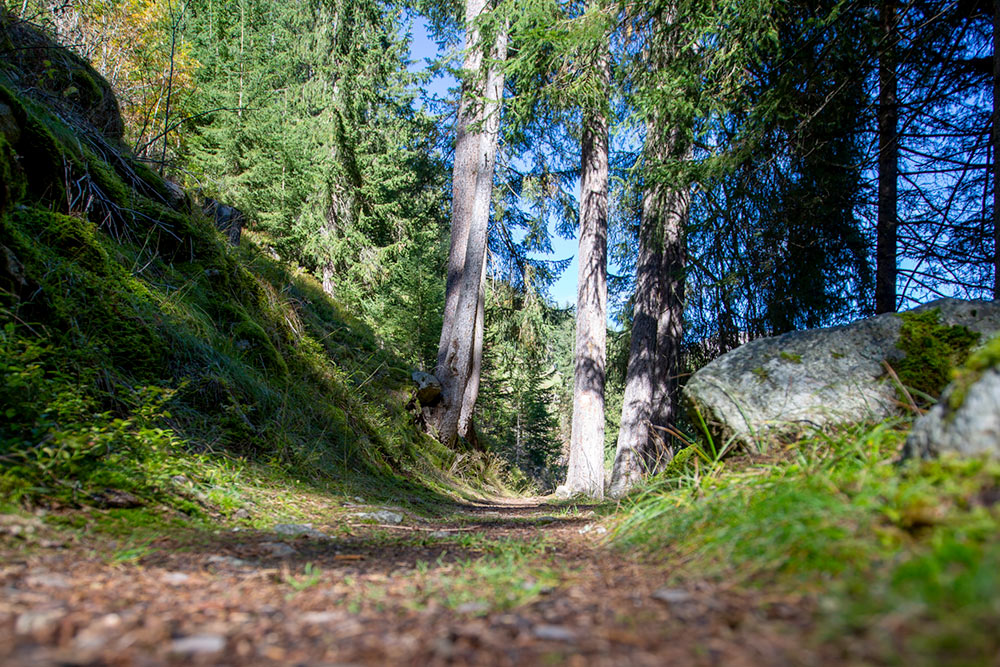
{"x":916,"y":545}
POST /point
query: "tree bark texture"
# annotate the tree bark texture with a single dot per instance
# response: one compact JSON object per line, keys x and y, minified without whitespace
{"x":585,"y":472}
{"x":674,"y":208}
{"x":465,"y":421}
{"x":459,"y":354}
{"x":996,"y":149}
{"x":637,"y":402}
{"x":463,"y":175}
{"x":651,"y":382}
{"x":888,"y":145}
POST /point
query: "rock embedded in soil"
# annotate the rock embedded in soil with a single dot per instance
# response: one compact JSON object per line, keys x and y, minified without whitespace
{"x":47,"y":580}
{"x":322,"y":617}
{"x":786,"y":385}
{"x":966,"y":421}
{"x":298,"y":529}
{"x":671,"y":595}
{"x":472,"y":608}
{"x":554,"y":633}
{"x":175,"y":578}
{"x":198,"y":645}
{"x":39,"y":623}
{"x":278,"y":549}
{"x":228,"y":561}
{"x":381,"y":516}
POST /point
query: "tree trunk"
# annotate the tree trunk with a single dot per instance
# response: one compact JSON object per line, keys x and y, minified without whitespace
{"x":586,"y":453}
{"x":996,"y":149}
{"x":651,"y":381}
{"x":637,"y":403}
{"x":472,"y":187}
{"x":888,"y":145}
{"x":670,"y":322}
{"x":465,"y":421}
{"x":463,"y":175}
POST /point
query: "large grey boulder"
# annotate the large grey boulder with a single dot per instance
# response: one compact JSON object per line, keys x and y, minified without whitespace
{"x":784,"y":385}
{"x":966,"y":421}
{"x":428,"y":387}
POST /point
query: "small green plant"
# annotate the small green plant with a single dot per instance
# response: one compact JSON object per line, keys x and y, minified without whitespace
{"x":791,"y":357}
{"x":311,"y":575}
{"x":131,"y":553}
{"x":978,"y":363}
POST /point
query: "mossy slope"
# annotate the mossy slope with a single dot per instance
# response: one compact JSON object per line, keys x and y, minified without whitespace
{"x":134,"y":340}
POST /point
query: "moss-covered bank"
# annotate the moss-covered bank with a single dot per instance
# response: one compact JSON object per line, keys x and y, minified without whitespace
{"x":134,"y":340}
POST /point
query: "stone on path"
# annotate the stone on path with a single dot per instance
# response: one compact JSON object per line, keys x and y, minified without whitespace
{"x":297,"y":529}
{"x":198,"y":645}
{"x":554,"y":633}
{"x":671,"y":595}
{"x":175,"y":578}
{"x":381,"y":516}
{"x":278,"y":549}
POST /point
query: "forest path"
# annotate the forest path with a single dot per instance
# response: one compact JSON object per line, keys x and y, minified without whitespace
{"x":512,"y":582}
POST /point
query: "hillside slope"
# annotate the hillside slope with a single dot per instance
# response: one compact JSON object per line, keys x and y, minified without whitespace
{"x":140,"y":354}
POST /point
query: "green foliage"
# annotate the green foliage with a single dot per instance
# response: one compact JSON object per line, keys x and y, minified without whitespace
{"x":311,"y":575}
{"x":680,"y":466}
{"x":138,"y":347}
{"x":981,"y":360}
{"x":319,"y":141}
{"x":933,"y":351}
{"x":833,"y":515}
{"x":520,"y":385}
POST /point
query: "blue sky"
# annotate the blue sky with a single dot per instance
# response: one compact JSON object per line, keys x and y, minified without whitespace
{"x":422,"y":47}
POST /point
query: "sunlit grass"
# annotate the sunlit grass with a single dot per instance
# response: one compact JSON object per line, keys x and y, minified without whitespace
{"x":914,"y":543}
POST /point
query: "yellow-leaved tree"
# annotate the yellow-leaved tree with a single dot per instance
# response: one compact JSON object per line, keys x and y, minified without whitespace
{"x":137,"y":46}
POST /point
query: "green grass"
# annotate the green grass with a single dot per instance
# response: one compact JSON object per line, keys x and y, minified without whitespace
{"x":509,"y":574}
{"x":915,"y":546}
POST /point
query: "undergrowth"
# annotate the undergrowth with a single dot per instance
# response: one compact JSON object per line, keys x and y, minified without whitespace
{"x":904,"y":556}
{"x":145,"y":361}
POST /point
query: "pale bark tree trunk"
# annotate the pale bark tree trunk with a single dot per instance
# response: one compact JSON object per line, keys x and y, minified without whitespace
{"x":637,"y":402}
{"x":888,"y":151}
{"x":585,"y":472}
{"x":651,"y":377}
{"x":459,"y":355}
{"x":996,"y":149}
{"x":465,"y":421}
{"x":463,"y":175}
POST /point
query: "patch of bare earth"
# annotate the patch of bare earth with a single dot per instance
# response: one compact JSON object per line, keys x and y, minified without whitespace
{"x":375,"y":595}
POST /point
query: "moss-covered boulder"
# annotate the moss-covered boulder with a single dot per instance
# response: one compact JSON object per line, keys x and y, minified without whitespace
{"x":867,"y":370}
{"x":966,"y":421}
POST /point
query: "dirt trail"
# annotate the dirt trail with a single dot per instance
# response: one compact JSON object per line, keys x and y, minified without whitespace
{"x":511,"y":583}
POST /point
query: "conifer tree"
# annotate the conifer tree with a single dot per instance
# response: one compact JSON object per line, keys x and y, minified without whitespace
{"x":888,"y":157}
{"x":460,"y":346}
{"x":585,"y":473}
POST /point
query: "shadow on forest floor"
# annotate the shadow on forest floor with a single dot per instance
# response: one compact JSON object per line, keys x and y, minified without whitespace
{"x":508,"y":582}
